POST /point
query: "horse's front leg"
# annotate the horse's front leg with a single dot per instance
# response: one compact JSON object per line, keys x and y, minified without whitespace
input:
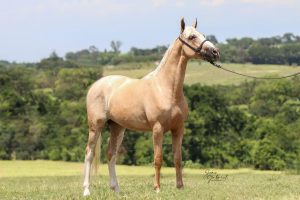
{"x":157,"y":147}
{"x":177,"y":136}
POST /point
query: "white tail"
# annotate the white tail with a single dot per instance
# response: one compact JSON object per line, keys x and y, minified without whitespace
{"x":96,"y":159}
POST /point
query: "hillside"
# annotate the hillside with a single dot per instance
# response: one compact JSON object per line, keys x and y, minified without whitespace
{"x":205,"y":73}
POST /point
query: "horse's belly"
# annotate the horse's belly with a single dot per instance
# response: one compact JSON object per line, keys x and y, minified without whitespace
{"x":133,"y":124}
{"x":126,"y":104}
{"x":129,"y":113}
{"x":130,"y":120}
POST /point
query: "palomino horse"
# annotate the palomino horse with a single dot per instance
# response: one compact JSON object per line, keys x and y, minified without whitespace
{"x":154,"y":103}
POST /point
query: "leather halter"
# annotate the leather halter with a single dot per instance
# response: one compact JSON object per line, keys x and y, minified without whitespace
{"x":196,"y":50}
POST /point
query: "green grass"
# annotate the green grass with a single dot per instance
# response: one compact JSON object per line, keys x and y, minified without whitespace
{"x":207,"y":74}
{"x":62,"y":180}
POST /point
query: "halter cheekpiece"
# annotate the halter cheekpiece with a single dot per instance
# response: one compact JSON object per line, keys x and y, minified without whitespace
{"x":196,"y":50}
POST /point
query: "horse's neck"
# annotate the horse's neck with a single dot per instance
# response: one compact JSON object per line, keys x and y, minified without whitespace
{"x":172,"y":71}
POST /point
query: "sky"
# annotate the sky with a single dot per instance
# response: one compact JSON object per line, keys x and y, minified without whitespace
{"x":30,"y":30}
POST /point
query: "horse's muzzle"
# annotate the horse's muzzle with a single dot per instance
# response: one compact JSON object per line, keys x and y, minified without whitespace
{"x":211,"y":54}
{"x":214,"y":53}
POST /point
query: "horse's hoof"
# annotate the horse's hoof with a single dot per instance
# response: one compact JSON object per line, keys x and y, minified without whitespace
{"x":179,"y":186}
{"x":115,"y":189}
{"x":86,"y":192}
{"x":157,"y":188}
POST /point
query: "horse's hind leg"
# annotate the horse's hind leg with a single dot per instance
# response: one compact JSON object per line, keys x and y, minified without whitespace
{"x":95,"y":126}
{"x":116,"y":137}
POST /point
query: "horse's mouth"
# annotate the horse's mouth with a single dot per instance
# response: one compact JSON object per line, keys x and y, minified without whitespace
{"x":211,"y":58}
{"x":214,"y":64}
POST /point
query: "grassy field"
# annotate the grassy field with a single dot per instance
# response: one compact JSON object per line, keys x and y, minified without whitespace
{"x":62,"y":180}
{"x":207,"y":74}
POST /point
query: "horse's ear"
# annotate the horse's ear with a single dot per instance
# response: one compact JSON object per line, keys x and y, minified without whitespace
{"x":195,"y":24}
{"x":182,"y":25}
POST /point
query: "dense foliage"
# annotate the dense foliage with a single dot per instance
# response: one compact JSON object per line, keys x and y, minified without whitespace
{"x":42,"y":116}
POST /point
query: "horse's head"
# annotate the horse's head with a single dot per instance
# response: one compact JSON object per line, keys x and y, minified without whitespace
{"x":196,"y":45}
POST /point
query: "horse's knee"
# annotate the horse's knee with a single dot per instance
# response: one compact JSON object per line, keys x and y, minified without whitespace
{"x":158,"y":161}
{"x":177,"y":162}
{"x":109,"y":154}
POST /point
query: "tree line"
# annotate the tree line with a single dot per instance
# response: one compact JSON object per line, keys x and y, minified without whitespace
{"x":284,"y":50}
{"x":255,"y":124}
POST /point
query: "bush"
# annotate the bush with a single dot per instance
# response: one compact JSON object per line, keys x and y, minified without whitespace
{"x":192,"y":165}
{"x":144,"y":150}
{"x":54,"y":154}
{"x":269,"y":157}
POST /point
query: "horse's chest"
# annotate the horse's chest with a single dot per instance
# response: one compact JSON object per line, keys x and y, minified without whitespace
{"x":177,"y":113}
{"x":172,"y":115}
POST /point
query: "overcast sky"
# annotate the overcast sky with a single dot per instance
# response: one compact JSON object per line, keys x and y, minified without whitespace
{"x":32,"y":29}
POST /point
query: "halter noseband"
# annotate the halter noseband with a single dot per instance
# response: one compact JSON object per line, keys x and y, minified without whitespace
{"x":196,"y":50}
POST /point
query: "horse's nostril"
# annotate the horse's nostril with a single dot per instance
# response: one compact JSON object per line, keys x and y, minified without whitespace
{"x":215,"y":52}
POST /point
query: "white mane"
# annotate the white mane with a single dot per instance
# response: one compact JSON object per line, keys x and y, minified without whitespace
{"x":162,"y":62}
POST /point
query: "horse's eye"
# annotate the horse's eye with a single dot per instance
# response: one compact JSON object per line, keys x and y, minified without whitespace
{"x":191,"y":37}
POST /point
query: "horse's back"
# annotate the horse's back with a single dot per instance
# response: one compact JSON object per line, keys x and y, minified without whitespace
{"x":100,"y":92}
{"x":105,"y":85}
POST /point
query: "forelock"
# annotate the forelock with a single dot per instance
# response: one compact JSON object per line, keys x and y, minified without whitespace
{"x":189,"y":31}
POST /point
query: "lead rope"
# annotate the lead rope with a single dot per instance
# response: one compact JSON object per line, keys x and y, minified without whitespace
{"x":255,"y":77}
{"x":198,"y":50}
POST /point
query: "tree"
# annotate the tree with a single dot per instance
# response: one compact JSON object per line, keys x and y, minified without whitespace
{"x":288,"y":38}
{"x":93,"y":49}
{"x":115,"y":45}
{"x":54,"y":61}
{"x":212,"y":38}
